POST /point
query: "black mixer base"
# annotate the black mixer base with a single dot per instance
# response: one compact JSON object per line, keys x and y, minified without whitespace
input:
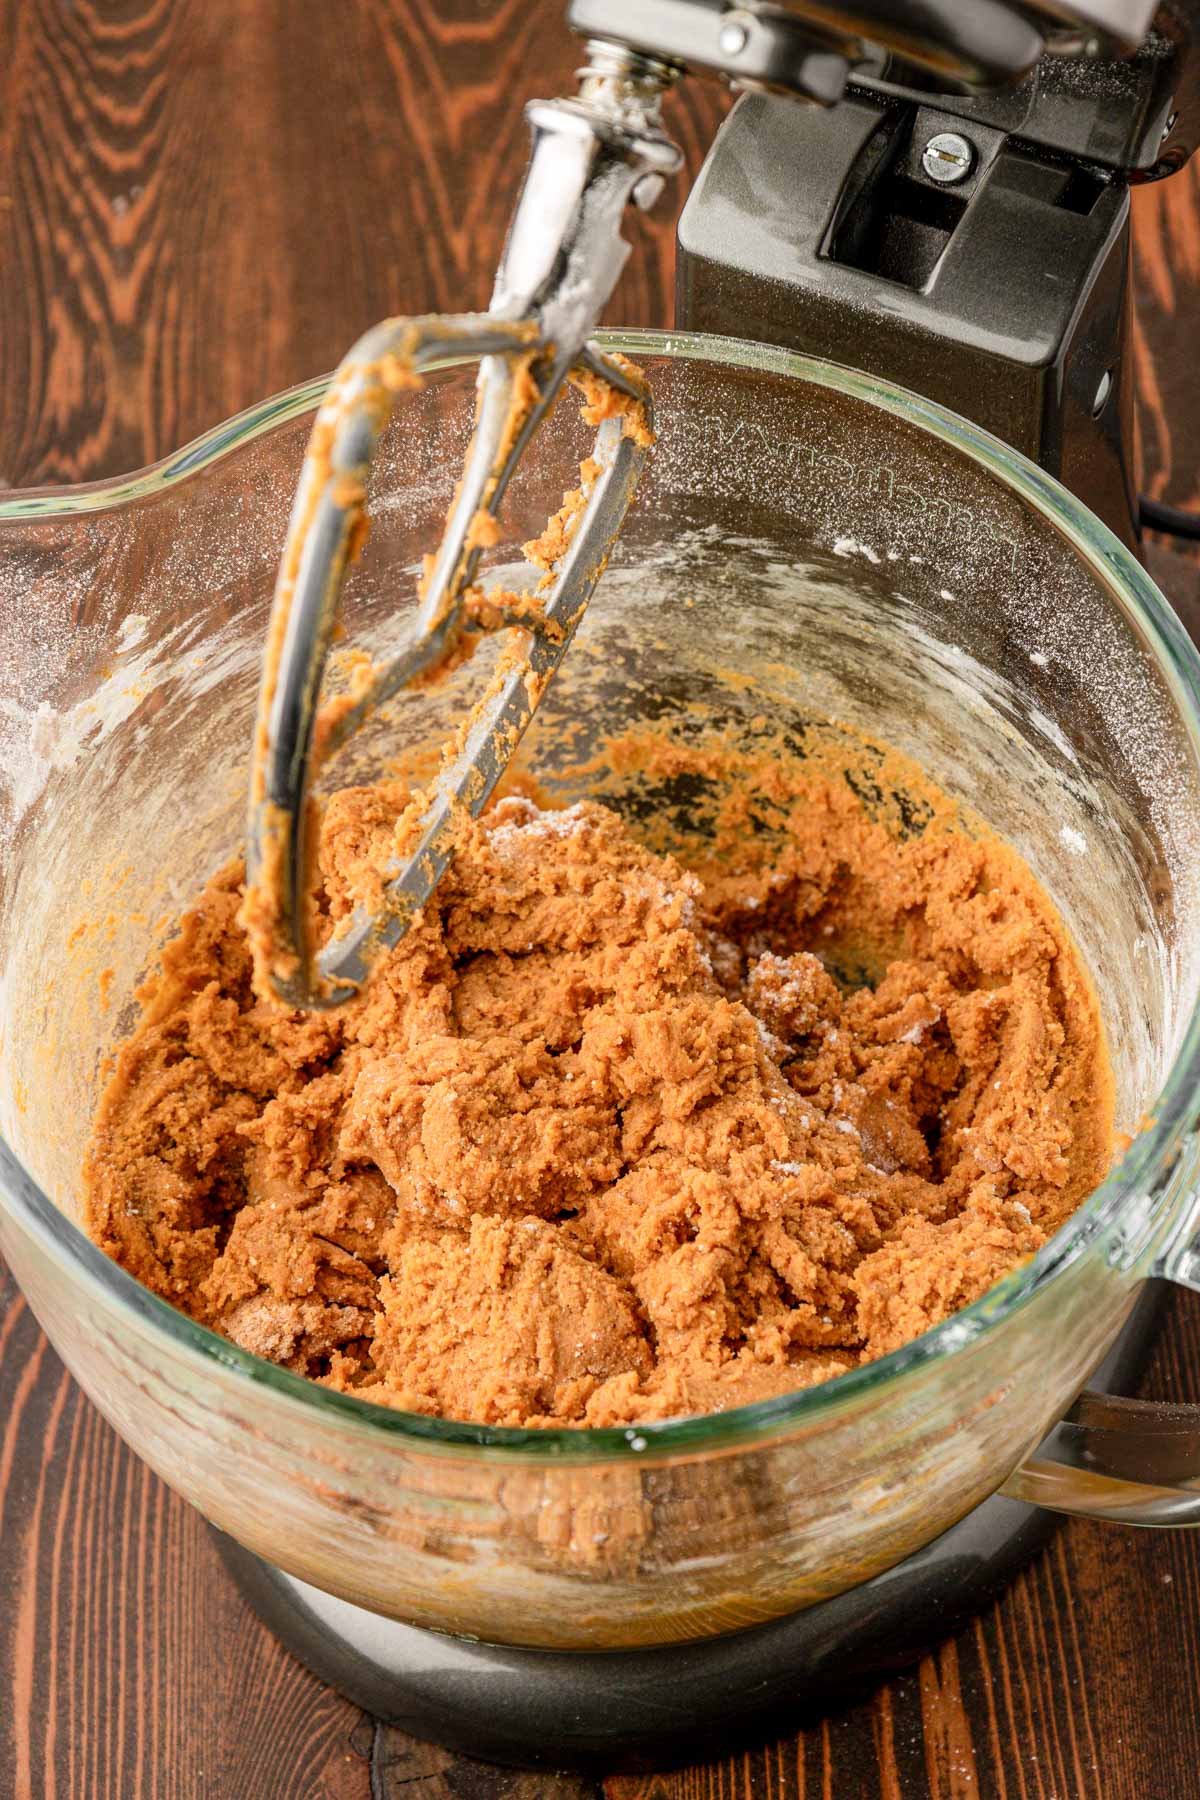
{"x":681,"y":1704}
{"x":630,"y":1709}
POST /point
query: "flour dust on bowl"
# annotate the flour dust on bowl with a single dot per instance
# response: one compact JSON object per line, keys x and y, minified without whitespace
{"x":806,"y":546}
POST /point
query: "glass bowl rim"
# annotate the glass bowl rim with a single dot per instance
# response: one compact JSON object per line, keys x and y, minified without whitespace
{"x":1152,"y":1151}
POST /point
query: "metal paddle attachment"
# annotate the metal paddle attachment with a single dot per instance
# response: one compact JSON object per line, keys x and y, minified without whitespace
{"x":590,"y":157}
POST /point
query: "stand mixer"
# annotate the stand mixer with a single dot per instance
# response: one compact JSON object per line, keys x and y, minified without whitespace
{"x":836,"y":227}
{"x":972,"y":247}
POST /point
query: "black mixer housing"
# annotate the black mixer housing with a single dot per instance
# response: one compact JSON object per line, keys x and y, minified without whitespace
{"x":993,"y":279}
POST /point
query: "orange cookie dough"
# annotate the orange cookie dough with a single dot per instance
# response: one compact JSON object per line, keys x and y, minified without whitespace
{"x":602,"y":1142}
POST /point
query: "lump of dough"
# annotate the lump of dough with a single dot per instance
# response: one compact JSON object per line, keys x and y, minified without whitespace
{"x":928,"y":1271}
{"x":505,"y":1324}
{"x":462,"y":1125}
{"x":792,"y":995}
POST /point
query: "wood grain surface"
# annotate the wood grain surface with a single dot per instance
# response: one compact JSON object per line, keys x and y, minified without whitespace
{"x":202,"y":201}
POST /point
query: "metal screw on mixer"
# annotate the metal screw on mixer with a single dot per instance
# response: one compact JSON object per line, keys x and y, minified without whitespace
{"x":947,"y":158}
{"x":734,"y":38}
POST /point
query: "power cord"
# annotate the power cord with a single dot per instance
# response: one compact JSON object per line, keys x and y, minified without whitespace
{"x":1171,"y":520}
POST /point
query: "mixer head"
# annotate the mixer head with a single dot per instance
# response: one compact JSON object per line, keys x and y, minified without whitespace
{"x":1109,"y":81}
{"x":809,"y":47}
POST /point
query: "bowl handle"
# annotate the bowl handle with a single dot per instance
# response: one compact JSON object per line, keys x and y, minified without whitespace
{"x":1135,"y":1461}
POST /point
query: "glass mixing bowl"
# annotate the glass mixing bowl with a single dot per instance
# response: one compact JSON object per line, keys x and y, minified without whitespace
{"x":849,"y":552}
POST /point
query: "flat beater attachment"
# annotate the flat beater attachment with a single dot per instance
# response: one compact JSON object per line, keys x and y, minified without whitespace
{"x":520,"y":376}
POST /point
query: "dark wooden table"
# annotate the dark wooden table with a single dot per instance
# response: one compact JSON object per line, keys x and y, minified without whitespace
{"x":202,"y":201}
